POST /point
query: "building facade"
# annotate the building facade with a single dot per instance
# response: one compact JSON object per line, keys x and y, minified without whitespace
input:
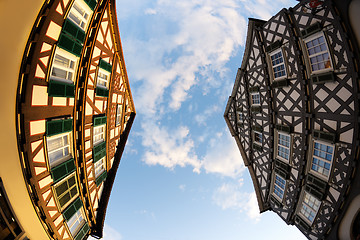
{"x":294,"y":113}
{"x":71,"y":114}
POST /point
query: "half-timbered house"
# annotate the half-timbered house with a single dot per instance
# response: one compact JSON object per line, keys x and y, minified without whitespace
{"x":294,"y":113}
{"x":71,"y":120}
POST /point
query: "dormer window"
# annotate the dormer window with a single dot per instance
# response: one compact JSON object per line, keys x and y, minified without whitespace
{"x":323,"y":154}
{"x":64,"y":66}
{"x":80,"y":14}
{"x":279,"y":186}
{"x":318,"y":53}
{"x":278,"y":64}
{"x":255,"y":98}
{"x":309,"y":207}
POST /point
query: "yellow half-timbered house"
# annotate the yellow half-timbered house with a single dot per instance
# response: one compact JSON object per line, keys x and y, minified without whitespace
{"x":68,"y":111}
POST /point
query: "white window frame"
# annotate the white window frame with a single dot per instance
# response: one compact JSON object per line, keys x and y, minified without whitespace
{"x":100,"y":80}
{"x":279,"y":50}
{"x":276,"y":147}
{"x":306,"y":50}
{"x":78,"y":18}
{"x":99,"y":137}
{"x":275,"y":184}
{"x":69,"y":188}
{"x":309,"y":205}
{"x":119,"y":108}
{"x":59,"y":137}
{"x":70,"y":70}
{"x":324,"y":161}
{"x":76,"y":222}
{"x":254,"y":137}
{"x":253,"y":101}
{"x":100,"y":167}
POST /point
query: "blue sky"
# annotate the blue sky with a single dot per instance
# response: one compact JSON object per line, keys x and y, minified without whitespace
{"x":181,"y":176}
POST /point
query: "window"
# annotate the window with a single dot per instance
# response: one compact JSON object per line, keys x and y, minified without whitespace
{"x":76,"y":222}
{"x":279,"y":186}
{"x":63,"y":67}
{"x":283,"y":146}
{"x":318,"y":52}
{"x":258,"y":137}
{"x":102,"y":78}
{"x":99,"y":167}
{"x":278,"y":64}
{"x":241,"y":117}
{"x":309,"y":207}
{"x":118,"y":114}
{"x":66,"y":190}
{"x":255,"y":98}
{"x":59,"y":148}
{"x":323,"y":154}
{"x":79,"y":15}
{"x":99,"y":134}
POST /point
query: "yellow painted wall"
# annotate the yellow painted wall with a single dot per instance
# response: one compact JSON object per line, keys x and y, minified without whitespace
{"x":16,"y":21}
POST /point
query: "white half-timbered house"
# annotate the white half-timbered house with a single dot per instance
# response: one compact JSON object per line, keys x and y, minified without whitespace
{"x":294,"y":113}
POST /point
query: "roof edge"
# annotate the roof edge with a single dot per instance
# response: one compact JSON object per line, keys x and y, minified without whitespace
{"x":97,"y":231}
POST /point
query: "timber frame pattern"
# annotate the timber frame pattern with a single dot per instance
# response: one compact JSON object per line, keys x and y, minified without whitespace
{"x":46,"y":107}
{"x":307,"y":107}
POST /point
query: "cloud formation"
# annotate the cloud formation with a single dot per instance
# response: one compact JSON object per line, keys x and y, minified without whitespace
{"x":192,"y":41}
{"x":230,"y":196}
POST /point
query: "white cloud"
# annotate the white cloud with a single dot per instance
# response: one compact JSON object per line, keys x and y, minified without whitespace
{"x":182,"y":187}
{"x":169,"y":148}
{"x":150,"y":11}
{"x":223,"y":156}
{"x":111,"y":233}
{"x":230,"y":196}
{"x":202,"y":117}
{"x":206,"y":33}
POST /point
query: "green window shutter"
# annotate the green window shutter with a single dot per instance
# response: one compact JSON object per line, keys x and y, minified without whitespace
{"x":316,"y":27}
{"x":283,"y":167}
{"x":103,"y":92}
{"x":101,"y":178}
{"x":302,"y":223}
{"x":257,"y":128}
{"x":69,"y":44}
{"x":61,"y":171}
{"x":317,"y":183}
{"x":326,"y":136}
{"x":54,"y":127}
{"x":273,"y":46}
{"x":58,"y":126}
{"x":255,"y":109}
{"x":72,"y":209}
{"x":280,"y":83}
{"x":275,"y":201}
{"x":91,"y":4}
{"x":73,"y":30}
{"x":283,"y":128}
{"x":254,"y":89}
{"x":322,"y":78}
{"x":61,"y":89}
{"x":56,"y":89}
{"x":99,"y":120}
{"x":68,"y":125}
{"x":315,"y":192}
{"x":70,"y":90}
{"x":257,"y":147}
{"x":83,"y":231}
{"x":282,"y":173}
{"x":104,"y":65}
{"x":99,"y":151}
